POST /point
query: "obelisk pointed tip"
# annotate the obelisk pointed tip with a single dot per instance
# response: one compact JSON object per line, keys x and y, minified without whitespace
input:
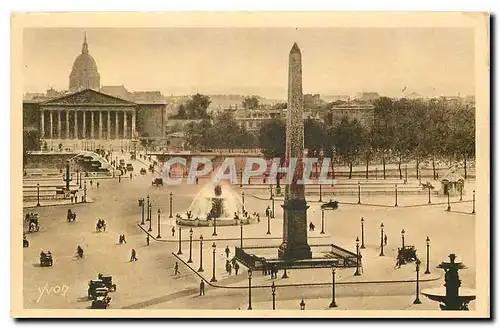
{"x":295,"y":48}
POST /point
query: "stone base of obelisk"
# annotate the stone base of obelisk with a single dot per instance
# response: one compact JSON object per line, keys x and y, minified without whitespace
{"x":295,"y":245}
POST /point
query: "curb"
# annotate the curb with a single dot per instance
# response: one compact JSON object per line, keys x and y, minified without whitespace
{"x":52,"y":205}
{"x":309,"y":284}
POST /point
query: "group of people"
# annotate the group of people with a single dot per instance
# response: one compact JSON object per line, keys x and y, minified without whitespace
{"x":121,"y":239}
{"x":232,"y":264}
{"x":269,"y":212}
{"x":70,"y":216}
{"x":271,"y":270}
{"x":101,"y":224}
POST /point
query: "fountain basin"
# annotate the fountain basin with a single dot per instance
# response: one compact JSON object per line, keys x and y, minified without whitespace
{"x":465,"y":296}
{"x":210,"y":223}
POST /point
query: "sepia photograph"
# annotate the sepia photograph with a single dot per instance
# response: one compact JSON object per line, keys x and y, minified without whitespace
{"x":250,"y":165}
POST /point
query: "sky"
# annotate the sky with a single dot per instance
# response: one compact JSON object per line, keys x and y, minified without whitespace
{"x":181,"y":61}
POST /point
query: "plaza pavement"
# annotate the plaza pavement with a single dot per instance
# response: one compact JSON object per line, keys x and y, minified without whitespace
{"x":150,"y":282}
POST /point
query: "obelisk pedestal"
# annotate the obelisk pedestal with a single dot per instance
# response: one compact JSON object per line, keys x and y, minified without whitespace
{"x":294,"y":246}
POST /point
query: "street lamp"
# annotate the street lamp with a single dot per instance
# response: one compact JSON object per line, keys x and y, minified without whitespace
{"x":320,"y":192}
{"x":427,"y":241}
{"x":147,"y":208}
{"x":190,"y":245}
{"x":249,"y":289}
{"x":359,"y":192}
{"x":179,"y":252}
{"x":241,"y":234}
{"x":333,"y":303}
{"x":273,"y":292}
{"x":417,"y":299}
{"x":77,"y":176}
{"x":81,"y":180}
{"x":38,"y":194}
{"x":357,"y":258}
{"x":396,"y":204}
{"x":473,"y":202}
{"x":268,"y":224}
{"x":149,"y":215}
{"x":243,"y":199}
{"x":302,"y":304}
{"x":406,"y":173}
{"x":214,"y":247}
{"x":215,"y":226}
{"x":170,"y":215}
{"x":429,"y":188}
{"x":449,"y":205}
{"x":381,"y":239}
{"x":362,"y":233}
{"x":270,"y":191}
{"x":141,"y":204}
{"x":159,"y":236}
{"x":322,"y":222}
{"x":85,"y":192}
{"x":200,"y":269}
{"x":403,"y":238}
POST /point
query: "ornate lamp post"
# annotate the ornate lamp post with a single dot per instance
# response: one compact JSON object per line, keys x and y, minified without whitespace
{"x":429,"y":188}
{"x":403,"y":238}
{"x":200,"y":269}
{"x":85,"y":192}
{"x":37,"y":194}
{"x":357,"y":273}
{"x":320,"y":193}
{"x":268,"y":224}
{"x":150,"y":217}
{"x":214,"y":248}
{"x":141,"y":204}
{"x":322,"y":222}
{"x":359,"y":192}
{"x":473,"y":202}
{"x":417,"y":299}
{"x":249,"y":289}
{"x":243,"y":199}
{"x":406,"y":173}
{"x":159,"y":235}
{"x":362,"y":233}
{"x":302,"y":304}
{"x":81,"y":180}
{"x":241,"y":180}
{"x":449,"y":205}
{"x":190,"y":246}
{"x":333,"y":303}
{"x":396,"y":189}
{"x":270,"y":191}
{"x":273,"y":293}
{"x":77,"y":176}
{"x":171,"y":204}
{"x":272,"y":207}
{"x":179,"y":252}
{"x":381,"y":239}
{"x":427,"y":241}
{"x":241,"y":234}
{"x":215,"y":227}
{"x":147,"y":208}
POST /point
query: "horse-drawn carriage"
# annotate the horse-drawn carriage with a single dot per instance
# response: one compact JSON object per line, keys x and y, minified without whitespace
{"x":143,"y":171}
{"x":46,"y":259}
{"x":71,"y":217}
{"x":157,"y":182}
{"x":100,"y":225}
{"x":32,"y":219}
{"x":406,"y":254}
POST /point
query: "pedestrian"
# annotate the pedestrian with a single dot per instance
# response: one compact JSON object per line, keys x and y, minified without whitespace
{"x":123,"y":236}
{"x":173,"y":231}
{"x":202,"y":287}
{"x":268,"y":211}
{"x":91,"y":183}
{"x":236,"y":268}
{"x":176,"y":269}
{"x":133,"y":257}
{"x":229,"y":268}
{"x":147,"y":240}
{"x":97,"y":184}
{"x":227,"y":251}
{"x":196,"y":180}
{"x":72,"y":198}
{"x":385,"y":239}
{"x":258,"y":217}
{"x":130,"y":175}
{"x":119,"y":178}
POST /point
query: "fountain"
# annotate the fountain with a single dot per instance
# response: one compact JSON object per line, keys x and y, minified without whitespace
{"x":450,"y":297}
{"x":215,"y":203}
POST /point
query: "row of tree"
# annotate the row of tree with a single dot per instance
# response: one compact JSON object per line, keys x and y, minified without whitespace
{"x":403,"y":130}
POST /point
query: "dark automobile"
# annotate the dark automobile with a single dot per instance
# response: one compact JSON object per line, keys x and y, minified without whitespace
{"x":108,"y":281}
{"x":157,"y":182}
{"x":407,"y":254}
{"x":331,"y":205}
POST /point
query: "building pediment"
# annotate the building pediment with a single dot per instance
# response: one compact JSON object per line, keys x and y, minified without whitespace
{"x":88,"y":97}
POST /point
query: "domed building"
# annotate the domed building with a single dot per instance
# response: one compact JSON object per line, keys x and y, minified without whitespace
{"x":84,"y":74}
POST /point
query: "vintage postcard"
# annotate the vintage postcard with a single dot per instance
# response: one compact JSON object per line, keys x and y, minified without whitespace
{"x":232,"y":165}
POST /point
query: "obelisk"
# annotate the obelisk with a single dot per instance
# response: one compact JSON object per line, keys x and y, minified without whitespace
{"x":294,"y":246}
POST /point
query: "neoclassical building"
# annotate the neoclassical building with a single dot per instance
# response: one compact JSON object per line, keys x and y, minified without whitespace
{"x":84,"y":113}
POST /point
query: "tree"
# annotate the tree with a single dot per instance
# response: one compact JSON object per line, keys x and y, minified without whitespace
{"x":384,"y":128}
{"x":462,"y":134}
{"x":250,"y":102}
{"x":271,"y":137}
{"x":196,"y":107}
{"x":181,"y":113}
{"x":348,"y":140}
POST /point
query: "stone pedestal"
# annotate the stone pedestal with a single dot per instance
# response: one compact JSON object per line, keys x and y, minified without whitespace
{"x":294,"y":246}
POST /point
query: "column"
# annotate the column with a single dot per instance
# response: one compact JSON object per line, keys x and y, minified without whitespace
{"x":108,"y":130}
{"x":117,"y":125}
{"x":51,"y":126}
{"x":84,"y":128}
{"x":75,"y":134}
{"x":124,"y":125}
{"x":42,"y":124}
{"x":58,"y":124}
{"x":133,"y":123}
{"x":67,"y":124}
{"x":91,"y":124}
{"x":100,"y":124}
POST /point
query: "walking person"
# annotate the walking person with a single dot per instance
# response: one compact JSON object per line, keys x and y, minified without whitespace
{"x":268,"y":211}
{"x":173,"y":231}
{"x":147,"y":240}
{"x":97,"y":184}
{"x":385,"y":239}
{"x":202,"y":287}
{"x":91,"y":183}
{"x":133,"y":257}
{"x":227,"y":251}
{"x":176,"y":269}
{"x":236,"y":268}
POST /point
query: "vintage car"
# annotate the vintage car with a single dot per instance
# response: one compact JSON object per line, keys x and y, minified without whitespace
{"x":32,"y":220}
{"x":96,"y":287}
{"x":130,"y":167}
{"x":108,"y":281}
{"x":46,"y":259}
{"x":101,"y":302}
{"x":331,"y":205}
{"x":143,"y":171}
{"x":407,"y":254}
{"x":157,"y":182}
